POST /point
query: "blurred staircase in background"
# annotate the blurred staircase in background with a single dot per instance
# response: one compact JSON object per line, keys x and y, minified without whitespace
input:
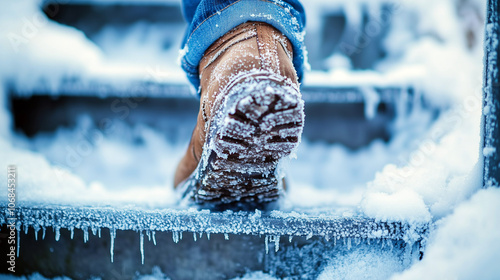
{"x":352,"y":113}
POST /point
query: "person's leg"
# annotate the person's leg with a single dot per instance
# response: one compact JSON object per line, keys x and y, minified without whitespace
{"x":251,"y":112}
{"x":211,"y":19}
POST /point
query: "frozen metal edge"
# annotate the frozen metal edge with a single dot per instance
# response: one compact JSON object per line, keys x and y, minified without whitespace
{"x":203,"y":221}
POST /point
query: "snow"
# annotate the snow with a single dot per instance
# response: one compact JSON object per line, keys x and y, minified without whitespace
{"x":400,"y":205}
{"x":465,"y":244}
{"x":371,"y":264}
{"x":34,"y":276}
{"x":256,"y":275}
{"x":57,"y":183}
{"x":428,"y":172}
{"x":34,"y":44}
{"x":436,"y":177}
{"x":156,"y":274}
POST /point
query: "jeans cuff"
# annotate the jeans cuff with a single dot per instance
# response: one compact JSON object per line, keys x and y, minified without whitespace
{"x":280,"y":15}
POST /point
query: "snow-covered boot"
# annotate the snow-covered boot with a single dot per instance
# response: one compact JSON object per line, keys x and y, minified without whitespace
{"x":251,"y":116}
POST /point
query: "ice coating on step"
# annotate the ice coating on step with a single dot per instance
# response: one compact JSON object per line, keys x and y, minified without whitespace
{"x":309,"y":223}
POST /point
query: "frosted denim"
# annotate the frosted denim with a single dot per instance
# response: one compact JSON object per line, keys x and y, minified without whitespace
{"x":210,"y":19}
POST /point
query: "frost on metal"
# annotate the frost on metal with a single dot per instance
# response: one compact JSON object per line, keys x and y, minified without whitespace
{"x":329,"y":225}
{"x":339,"y":226}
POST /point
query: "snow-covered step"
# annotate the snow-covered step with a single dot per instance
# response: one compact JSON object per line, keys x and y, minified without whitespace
{"x":355,"y":113}
{"x":318,"y":86}
{"x":194,"y":244}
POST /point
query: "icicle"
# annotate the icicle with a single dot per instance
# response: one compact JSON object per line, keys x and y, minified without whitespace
{"x":99,"y":232}
{"x":358,"y":240}
{"x":290,"y":237}
{"x":309,"y":236}
{"x":266,"y":241}
{"x":277,"y":243}
{"x":180,"y":235}
{"x":18,"y":241}
{"x":348,"y":243}
{"x":334,"y":239}
{"x":389,"y":243}
{"x":368,"y":241}
{"x":226,"y":236}
{"x":36,"y":229}
{"x":94,"y":231}
{"x":148,"y":235}
{"x":43,"y":233}
{"x":194,"y":236}
{"x":58,"y":234}
{"x":372,"y":99}
{"x":26,"y":229}
{"x":112,"y":235}
{"x":142,"y":247}
{"x":327,"y":238}
{"x":201,"y":235}
{"x":85,"y":235}
{"x":72,"y":232}
{"x":208,"y":235}
{"x":175,"y":236}
{"x":154,"y":237}
{"x":383,"y":243}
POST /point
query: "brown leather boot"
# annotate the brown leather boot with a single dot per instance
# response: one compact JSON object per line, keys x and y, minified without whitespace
{"x":251,"y":116}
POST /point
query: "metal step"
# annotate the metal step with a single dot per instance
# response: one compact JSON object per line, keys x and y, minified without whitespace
{"x":172,"y":108}
{"x":80,"y":242}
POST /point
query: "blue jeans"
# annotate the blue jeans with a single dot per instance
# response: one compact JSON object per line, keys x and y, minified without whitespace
{"x":210,"y":19}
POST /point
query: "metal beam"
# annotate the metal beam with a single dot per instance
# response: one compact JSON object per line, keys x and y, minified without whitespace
{"x":118,"y":243}
{"x":491,"y":98}
{"x":329,"y":225}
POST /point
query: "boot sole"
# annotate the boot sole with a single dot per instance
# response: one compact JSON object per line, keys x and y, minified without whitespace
{"x":258,"y":123}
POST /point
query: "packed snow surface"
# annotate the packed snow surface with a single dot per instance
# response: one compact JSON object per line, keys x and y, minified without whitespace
{"x":428,"y":172}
